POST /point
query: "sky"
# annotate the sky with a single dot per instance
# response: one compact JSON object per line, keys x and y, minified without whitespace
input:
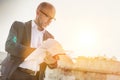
{"x":83,"y":27}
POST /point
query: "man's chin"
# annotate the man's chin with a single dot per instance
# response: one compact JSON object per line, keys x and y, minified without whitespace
{"x":44,"y":26}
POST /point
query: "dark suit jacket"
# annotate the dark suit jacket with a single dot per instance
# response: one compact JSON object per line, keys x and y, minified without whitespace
{"x":18,"y":47}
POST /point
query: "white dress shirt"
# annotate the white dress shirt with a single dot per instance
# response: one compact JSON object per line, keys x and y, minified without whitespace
{"x":36,"y":36}
{"x":32,"y":61}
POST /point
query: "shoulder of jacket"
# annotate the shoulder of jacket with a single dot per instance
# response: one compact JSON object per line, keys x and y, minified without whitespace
{"x":18,"y":22}
{"x":17,"y":25}
{"x":49,"y":34}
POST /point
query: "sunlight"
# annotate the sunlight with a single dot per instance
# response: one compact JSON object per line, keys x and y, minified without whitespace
{"x":87,"y":38}
{"x":87,"y":41}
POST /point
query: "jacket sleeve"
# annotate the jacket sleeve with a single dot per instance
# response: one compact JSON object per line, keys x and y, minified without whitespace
{"x":14,"y":44}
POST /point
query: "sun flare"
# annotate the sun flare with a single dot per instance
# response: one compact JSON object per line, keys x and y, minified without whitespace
{"x":87,"y":39}
{"x":85,"y":42}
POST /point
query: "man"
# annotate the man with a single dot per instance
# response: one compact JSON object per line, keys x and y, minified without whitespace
{"x":22,"y":40}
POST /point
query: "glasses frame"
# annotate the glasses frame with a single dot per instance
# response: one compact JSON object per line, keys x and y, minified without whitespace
{"x":47,"y":15}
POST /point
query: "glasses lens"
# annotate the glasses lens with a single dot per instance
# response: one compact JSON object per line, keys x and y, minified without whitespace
{"x":50,"y":18}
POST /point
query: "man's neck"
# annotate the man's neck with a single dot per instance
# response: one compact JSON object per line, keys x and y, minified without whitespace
{"x":40,"y":28}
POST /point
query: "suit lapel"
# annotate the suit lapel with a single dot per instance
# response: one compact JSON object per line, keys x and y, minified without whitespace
{"x":47,"y":35}
{"x":44,"y":36}
{"x":28,"y":26}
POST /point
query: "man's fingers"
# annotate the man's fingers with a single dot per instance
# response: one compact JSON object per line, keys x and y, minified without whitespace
{"x":56,"y":57}
{"x":49,"y":60}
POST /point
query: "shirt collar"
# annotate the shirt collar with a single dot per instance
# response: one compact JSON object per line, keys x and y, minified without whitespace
{"x":34,"y":25}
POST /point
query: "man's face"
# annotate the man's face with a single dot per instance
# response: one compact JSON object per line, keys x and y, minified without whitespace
{"x":45,"y":17}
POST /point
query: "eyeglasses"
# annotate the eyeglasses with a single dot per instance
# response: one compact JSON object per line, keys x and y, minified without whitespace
{"x":50,"y":18}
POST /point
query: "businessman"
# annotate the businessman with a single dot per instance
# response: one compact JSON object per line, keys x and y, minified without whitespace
{"x":22,"y":40}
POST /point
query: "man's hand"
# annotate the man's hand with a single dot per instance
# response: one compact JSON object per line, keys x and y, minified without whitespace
{"x":49,"y":59}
